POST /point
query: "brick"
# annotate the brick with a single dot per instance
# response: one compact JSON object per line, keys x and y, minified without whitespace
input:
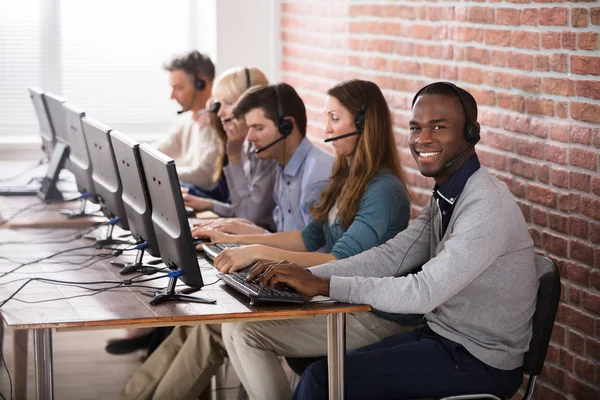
{"x":579,"y":181}
{"x":520,"y":61}
{"x":559,"y":62}
{"x":534,"y":233}
{"x":431,"y":70}
{"x":580,"y":134}
{"x":525,"y":40}
{"x":585,"y":112}
{"x":482,"y":15}
{"x":595,"y":15}
{"x":562,"y":109}
{"x":499,"y":141}
{"x":558,"y":222}
{"x":582,"y":158}
{"x":560,"y":178}
{"x":593,"y":348}
{"x":558,"y":86}
{"x":417,"y":32}
{"x":449,"y":72}
{"x":558,"y":334}
{"x":477,"y":55}
{"x":587,"y":40}
{"x":440,"y":52}
{"x":521,"y":167}
{"x":594,"y":279}
{"x":584,"y":65}
{"x":578,"y":227}
{"x":405,"y":67}
{"x":529,"y":16}
{"x":518,"y":189}
{"x":584,"y":368}
{"x":371,"y":27}
{"x":580,"y":251}
{"x":589,"y":89}
{"x":576,"y":341}
{"x":495,"y":37}
{"x":440,"y":13}
{"x":568,"y":40}
{"x":596,"y":139}
{"x":404,"y":48}
{"x":511,"y":102}
{"x":555,"y":153}
{"x":539,"y":216}
{"x":483,"y":97}
{"x":498,"y":58}
{"x":579,"y":17}
{"x":543,"y":195}
{"x":569,"y":202}
{"x":591,"y":207}
{"x":575,"y":273}
{"x":517,"y":123}
{"x":507,"y":16}
{"x":577,"y":319}
{"x":539,"y":106}
{"x":526,"y":83}
{"x":489,"y":118}
{"x":550,"y":40}
{"x":566,"y":359}
{"x":539,"y":127}
{"x":556,"y":16}
{"x":581,"y":390}
{"x":542,"y":63}
{"x":560,"y":132}
{"x":591,"y":301}
{"x":497,"y":79}
{"x":380,"y":45}
{"x":596,"y":185}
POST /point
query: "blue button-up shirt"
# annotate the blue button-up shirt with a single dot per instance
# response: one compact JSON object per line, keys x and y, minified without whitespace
{"x":298,"y":186}
{"x":448,"y":192}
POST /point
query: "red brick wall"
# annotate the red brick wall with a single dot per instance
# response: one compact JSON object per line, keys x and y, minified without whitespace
{"x":534,"y":68}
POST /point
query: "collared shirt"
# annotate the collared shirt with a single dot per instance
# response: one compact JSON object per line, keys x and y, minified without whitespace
{"x":299,"y":184}
{"x":448,"y":192}
{"x":251,"y":189}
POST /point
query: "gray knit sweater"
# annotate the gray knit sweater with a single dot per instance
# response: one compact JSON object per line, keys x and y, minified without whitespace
{"x":478,"y":284}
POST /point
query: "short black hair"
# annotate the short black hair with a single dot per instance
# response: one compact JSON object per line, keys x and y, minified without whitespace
{"x":193,"y":63}
{"x":265,"y":98}
{"x":450,"y":90}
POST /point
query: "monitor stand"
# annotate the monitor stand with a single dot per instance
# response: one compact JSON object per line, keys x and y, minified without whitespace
{"x":136,"y":266}
{"x":107,"y":240}
{"x":170,"y":294}
{"x":48,"y":192}
{"x":78,"y":214}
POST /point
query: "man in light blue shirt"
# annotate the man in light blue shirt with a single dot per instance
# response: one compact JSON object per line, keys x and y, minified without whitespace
{"x":276,"y":120}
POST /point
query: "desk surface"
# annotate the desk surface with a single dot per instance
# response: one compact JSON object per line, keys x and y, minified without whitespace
{"x":125,"y":307}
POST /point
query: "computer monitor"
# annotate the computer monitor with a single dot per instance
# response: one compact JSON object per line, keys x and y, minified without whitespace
{"x":107,"y":183}
{"x":41,"y":112}
{"x":56,"y":116}
{"x":171,"y":225}
{"x":135,"y":198}
{"x":79,"y":158}
{"x":48,"y":191}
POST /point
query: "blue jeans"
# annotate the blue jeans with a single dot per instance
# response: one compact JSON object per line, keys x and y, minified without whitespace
{"x":411,"y":365}
{"x":219,"y":192}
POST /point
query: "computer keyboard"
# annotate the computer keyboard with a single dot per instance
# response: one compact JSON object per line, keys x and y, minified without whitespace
{"x":213,"y":250}
{"x":257,"y":294}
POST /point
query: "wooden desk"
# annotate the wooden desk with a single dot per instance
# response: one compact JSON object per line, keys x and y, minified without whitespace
{"x":127,"y":308}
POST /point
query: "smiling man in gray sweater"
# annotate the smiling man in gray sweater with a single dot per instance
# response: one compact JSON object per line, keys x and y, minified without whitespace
{"x":467,"y":263}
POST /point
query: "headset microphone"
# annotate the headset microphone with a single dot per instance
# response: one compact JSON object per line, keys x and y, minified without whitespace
{"x":455,"y":159}
{"x":333,"y":139}
{"x":273,"y":143}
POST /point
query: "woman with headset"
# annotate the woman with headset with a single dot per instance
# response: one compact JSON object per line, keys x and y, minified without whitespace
{"x":365,"y":204}
{"x":250,"y":179}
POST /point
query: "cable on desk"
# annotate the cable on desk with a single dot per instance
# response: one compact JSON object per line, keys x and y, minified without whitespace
{"x":21,"y":173}
{"x":21,"y":211}
{"x":81,"y":233}
{"x":44,"y":258}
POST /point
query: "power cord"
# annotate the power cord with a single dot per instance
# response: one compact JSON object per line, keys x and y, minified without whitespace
{"x":21,"y":211}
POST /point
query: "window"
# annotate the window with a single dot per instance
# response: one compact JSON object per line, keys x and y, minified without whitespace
{"x":107,"y":59}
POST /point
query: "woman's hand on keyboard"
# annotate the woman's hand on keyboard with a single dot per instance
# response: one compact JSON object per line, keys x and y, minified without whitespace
{"x":277,"y":273}
{"x":235,"y":259}
{"x":214,"y":236}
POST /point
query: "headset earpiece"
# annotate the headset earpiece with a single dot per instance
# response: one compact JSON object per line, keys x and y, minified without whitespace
{"x":199,"y":84}
{"x":285,"y":126}
{"x":248,"y":81}
{"x":359,"y":121}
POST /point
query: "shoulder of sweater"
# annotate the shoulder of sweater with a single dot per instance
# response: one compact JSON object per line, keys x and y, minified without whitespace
{"x":385,"y":185}
{"x":488,"y":191}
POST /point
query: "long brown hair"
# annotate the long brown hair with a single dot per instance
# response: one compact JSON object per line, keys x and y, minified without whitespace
{"x":375,"y":149}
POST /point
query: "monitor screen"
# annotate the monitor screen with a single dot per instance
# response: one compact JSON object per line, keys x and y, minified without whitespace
{"x":107,"y":183}
{"x":79,"y":158}
{"x":135,"y":190}
{"x":169,"y":217}
{"x":41,"y":112}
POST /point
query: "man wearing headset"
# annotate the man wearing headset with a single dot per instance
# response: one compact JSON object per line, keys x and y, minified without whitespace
{"x":193,"y":142}
{"x":477,"y":284}
{"x":182,"y":366}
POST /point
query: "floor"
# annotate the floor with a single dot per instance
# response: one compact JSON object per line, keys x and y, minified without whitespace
{"x":83,"y":370}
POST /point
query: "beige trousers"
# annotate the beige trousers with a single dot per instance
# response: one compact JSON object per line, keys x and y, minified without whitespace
{"x":181,"y":367}
{"x":253,"y":347}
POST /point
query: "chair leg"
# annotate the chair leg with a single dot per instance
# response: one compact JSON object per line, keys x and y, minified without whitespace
{"x":20,"y":342}
{"x":217,"y":382}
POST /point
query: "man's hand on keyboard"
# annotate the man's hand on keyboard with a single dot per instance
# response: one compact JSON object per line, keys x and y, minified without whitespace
{"x":235,"y":259}
{"x":277,"y":273}
{"x":214,"y":236}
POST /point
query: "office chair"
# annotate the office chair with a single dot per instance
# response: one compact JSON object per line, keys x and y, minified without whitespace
{"x":543,"y":320}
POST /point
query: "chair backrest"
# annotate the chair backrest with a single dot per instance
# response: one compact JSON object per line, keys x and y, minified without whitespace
{"x":545,"y":313}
